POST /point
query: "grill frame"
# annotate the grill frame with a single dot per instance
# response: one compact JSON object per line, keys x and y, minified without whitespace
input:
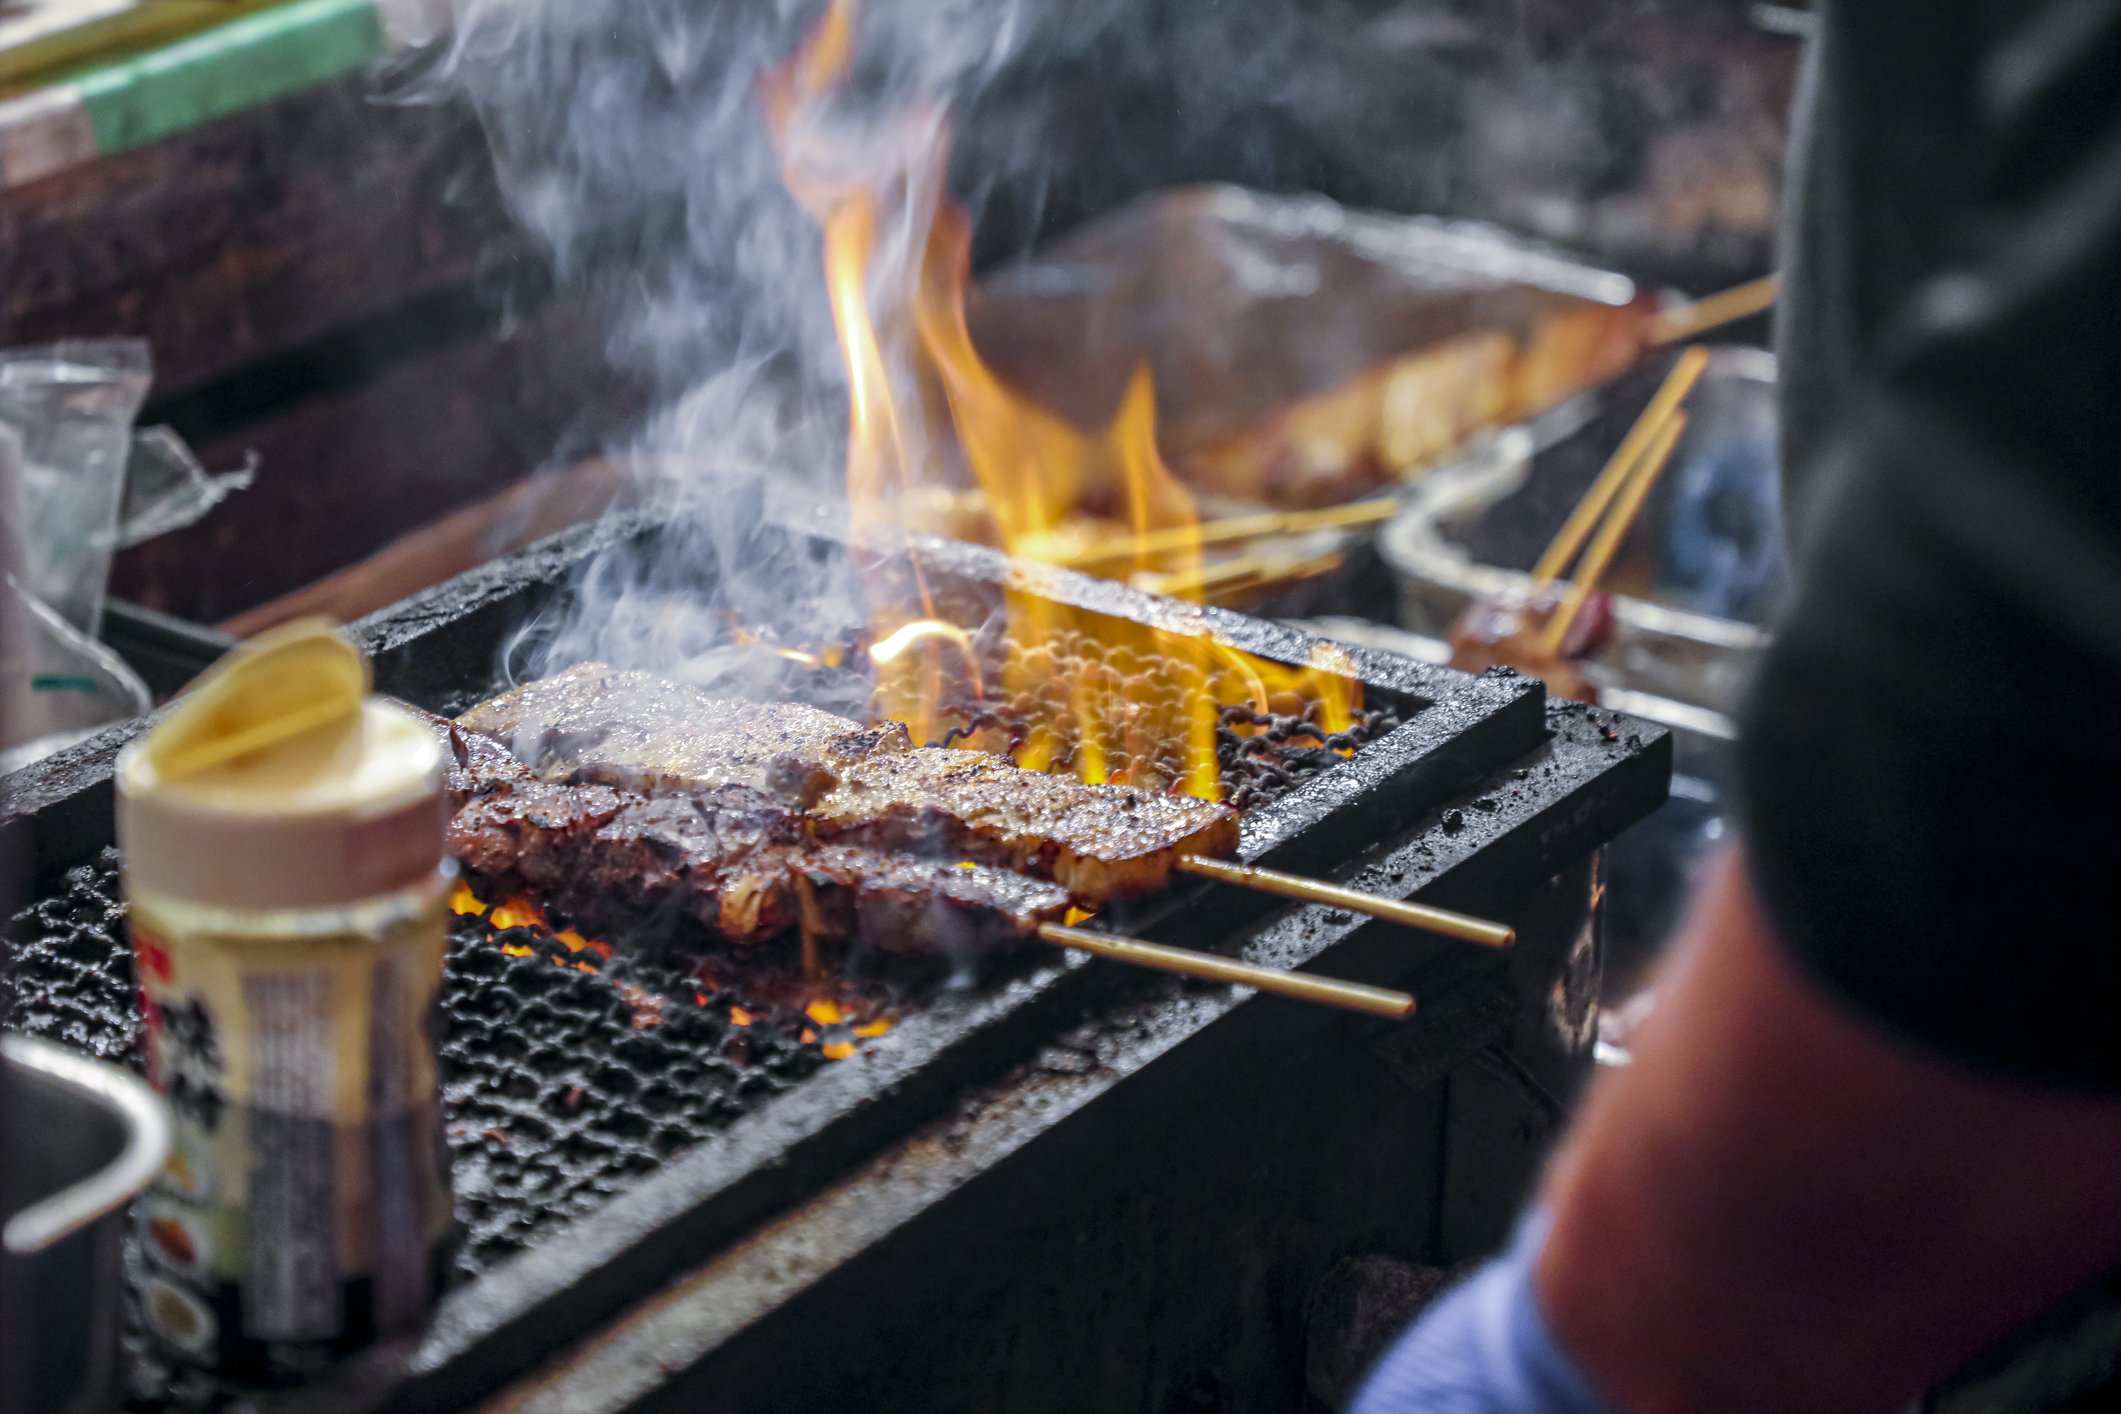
{"x":426,"y":650}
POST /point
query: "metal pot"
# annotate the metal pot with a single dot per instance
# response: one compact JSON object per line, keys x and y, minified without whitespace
{"x":83,"y":1139}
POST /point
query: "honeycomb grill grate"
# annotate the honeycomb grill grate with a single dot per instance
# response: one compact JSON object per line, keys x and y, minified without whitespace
{"x":567,"y":1075}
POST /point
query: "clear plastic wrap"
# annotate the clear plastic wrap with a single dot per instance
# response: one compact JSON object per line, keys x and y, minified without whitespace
{"x":167,"y":489}
{"x":72,"y":405}
{"x":78,"y":484}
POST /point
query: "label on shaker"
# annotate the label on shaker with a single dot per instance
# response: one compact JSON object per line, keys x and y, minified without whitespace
{"x":306,"y":1202}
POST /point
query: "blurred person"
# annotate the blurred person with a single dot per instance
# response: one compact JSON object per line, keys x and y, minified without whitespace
{"x":1874,"y":1126}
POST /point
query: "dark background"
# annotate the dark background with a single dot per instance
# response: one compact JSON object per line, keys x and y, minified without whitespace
{"x":334,"y":282}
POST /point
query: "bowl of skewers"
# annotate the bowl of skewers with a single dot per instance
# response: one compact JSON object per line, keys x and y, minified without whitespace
{"x":1625,"y":548}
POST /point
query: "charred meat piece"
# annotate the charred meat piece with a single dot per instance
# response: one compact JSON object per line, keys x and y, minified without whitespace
{"x":903,"y":904}
{"x":616,"y":856}
{"x":1509,"y":630}
{"x":723,"y":856}
{"x":474,"y":765}
{"x":736,"y":861}
{"x":478,"y":766}
{"x":643,"y":732}
{"x":1098,"y":842}
{"x":533,"y":833}
{"x":869,"y":788}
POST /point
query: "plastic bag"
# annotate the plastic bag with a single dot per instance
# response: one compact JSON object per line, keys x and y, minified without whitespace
{"x":57,"y":685}
{"x":65,"y":686}
{"x":78,"y":484}
{"x":167,"y":489}
{"x":72,"y":406}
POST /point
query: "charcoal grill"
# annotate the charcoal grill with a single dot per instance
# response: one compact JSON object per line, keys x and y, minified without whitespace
{"x":603,"y":1157}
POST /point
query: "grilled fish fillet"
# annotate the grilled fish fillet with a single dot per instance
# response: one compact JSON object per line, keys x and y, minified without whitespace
{"x":866,"y":787}
{"x":643,"y":732}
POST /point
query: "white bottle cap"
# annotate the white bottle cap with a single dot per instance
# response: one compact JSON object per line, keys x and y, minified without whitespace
{"x":278,"y":782}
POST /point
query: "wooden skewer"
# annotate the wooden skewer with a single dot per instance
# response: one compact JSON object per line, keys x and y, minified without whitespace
{"x":1206,"y":577}
{"x":1239,"y":572}
{"x":1607,"y":544}
{"x":1280,"y":572}
{"x":1227,"y":531}
{"x":1677,"y":384}
{"x":1211,"y":967}
{"x":1695,"y":317}
{"x":1413,"y":915}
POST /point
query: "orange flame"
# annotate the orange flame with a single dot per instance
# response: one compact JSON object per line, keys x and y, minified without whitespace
{"x":1131,"y":702}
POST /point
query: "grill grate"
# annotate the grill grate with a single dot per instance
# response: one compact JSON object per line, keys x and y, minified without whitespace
{"x":569,"y":1071}
{"x":565,"y":1075}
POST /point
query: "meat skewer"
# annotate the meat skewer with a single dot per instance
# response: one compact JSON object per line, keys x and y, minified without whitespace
{"x":1548,"y":629}
{"x":732,"y":858}
{"x":873,"y":787}
{"x":737,"y":861}
{"x":643,"y":732}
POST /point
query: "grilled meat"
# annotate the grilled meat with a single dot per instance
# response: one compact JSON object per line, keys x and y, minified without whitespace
{"x":534,"y":834}
{"x":1098,"y":842}
{"x":902,"y":904}
{"x":726,"y":857}
{"x":869,"y":788}
{"x":636,"y":730}
{"x":478,"y":765}
{"x":731,"y":857}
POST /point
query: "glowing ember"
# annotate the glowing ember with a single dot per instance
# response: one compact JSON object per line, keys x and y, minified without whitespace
{"x":575,"y":942}
{"x":925,"y":410}
{"x":517,"y":913}
{"x":831,"y":1020}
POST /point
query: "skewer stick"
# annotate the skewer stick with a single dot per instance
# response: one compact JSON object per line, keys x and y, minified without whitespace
{"x":1412,"y":915}
{"x":1227,"y":531}
{"x":1211,"y":967}
{"x":1279,"y":572}
{"x":1696,"y":317}
{"x":1252,"y":571}
{"x":1677,"y":384}
{"x":1600,"y":556}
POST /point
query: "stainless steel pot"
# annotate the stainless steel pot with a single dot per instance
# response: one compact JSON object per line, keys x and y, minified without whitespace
{"x":82,"y":1139}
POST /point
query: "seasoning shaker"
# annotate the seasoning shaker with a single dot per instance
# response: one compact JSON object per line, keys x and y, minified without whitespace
{"x":286,"y":880}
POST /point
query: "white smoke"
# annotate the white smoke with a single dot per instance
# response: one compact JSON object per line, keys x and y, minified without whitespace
{"x":630,"y":142}
{"x":628,"y":136}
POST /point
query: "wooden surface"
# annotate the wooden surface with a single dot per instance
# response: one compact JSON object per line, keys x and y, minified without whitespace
{"x":251,"y":236}
{"x":332,"y":283}
{"x":344,"y":473}
{"x":464,"y":539}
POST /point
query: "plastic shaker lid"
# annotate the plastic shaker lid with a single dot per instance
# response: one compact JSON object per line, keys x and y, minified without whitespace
{"x":278,"y":781}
